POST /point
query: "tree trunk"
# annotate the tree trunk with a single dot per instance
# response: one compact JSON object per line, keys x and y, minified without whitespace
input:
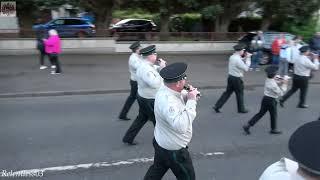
{"x":103,"y":21}
{"x":265,"y":23}
{"x":25,"y":24}
{"x":26,"y":18}
{"x":164,"y":20}
{"x":222,"y":24}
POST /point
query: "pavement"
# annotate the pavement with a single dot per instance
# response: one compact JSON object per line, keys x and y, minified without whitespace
{"x":102,"y":74}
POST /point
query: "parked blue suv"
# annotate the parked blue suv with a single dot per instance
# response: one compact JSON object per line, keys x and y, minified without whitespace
{"x":68,"y":27}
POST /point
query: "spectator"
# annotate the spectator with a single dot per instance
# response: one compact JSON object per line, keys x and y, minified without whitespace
{"x":315,"y":43}
{"x":284,"y":58}
{"x":256,"y":49}
{"x":275,"y":48}
{"x":295,"y":53}
{"x":40,"y":46}
{"x":304,"y":147}
{"x":53,"y":48}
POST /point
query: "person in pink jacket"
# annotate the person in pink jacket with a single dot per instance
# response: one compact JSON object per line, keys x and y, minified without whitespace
{"x":53,"y":48}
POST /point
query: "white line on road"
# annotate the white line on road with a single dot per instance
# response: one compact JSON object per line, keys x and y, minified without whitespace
{"x":97,"y":165}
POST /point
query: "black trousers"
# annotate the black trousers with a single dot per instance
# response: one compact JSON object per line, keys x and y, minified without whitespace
{"x":146,"y":112}
{"x":298,"y":82}
{"x":55,"y":61}
{"x":42,"y":55}
{"x":130,"y":100}
{"x":267,"y":104}
{"x":178,"y":161}
{"x":235,"y":84}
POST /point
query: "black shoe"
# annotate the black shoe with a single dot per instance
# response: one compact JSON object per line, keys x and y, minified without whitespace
{"x":246,"y":129}
{"x":133,"y":143}
{"x":216,"y":109}
{"x":302,"y":106}
{"x":275,"y":132}
{"x":281,"y":103}
{"x":124,"y":118}
{"x":243,"y":111}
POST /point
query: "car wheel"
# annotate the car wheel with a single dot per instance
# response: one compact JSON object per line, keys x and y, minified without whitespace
{"x":81,"y":34}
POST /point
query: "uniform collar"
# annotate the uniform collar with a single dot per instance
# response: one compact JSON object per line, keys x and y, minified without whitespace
{"x":178,"y":94}
{"x":292,"y":168}
{"x":148,"y":62}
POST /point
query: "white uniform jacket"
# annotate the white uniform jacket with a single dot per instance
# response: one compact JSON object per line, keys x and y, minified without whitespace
{"x":149,"y":80}
{"x":272,"y":89}
{"x":134,"y":62}
{"x":303,"y":66}
{"x":237,"y":66}
{"x":174,"y":116}
{"x":285,"y":169}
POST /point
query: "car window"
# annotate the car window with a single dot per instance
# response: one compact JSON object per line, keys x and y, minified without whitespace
{"x":74,"y":22}
{"x":58,"y":22}
{"x":129,"y":23}
{"x":142,"y":22}
{"x":124,"y":21}
{"x":135,"y":22}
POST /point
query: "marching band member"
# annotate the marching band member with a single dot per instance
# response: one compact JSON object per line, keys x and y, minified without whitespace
{"x":273,"y":88}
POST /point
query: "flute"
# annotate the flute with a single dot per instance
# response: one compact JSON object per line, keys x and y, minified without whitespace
{"x":187,"y":87}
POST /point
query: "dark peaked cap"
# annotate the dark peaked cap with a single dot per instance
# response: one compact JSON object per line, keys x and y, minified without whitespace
{"x":148,"y":50}
{"x":174,"y":72}
{"x":304,"y":49}
{"x":135,"y":45}
{"x":238,"y":47}
{"x":305,"y":147}
{"x":272,"y":69}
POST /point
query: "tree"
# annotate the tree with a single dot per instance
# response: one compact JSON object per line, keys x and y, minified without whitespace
{"x":222,"y":12}
{"x":27,"y":9}
{"x":287,"y":10}
{"x":102,"y":10}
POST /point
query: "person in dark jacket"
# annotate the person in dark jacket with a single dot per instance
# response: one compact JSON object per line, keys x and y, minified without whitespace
{"x":315,"y":43}
{"x":40,"y":35}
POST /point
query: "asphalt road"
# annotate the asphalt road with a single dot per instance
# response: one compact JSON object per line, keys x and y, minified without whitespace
{"x":83,"y":130}
{"x":47,"y":132}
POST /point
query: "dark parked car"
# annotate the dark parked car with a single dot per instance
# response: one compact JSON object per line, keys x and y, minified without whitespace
{"x":68,"y":27}
{"x":269,"y":37}
{"x":133,"y":25}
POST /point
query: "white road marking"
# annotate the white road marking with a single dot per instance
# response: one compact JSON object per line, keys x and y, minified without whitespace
{"x":97,"y":165}
{"x":85,"y":166}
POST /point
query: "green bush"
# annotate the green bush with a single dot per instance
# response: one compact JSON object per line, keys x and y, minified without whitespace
{"x":305,"y":29}
{"x":132,"y":13}
{"x":189,"y":22}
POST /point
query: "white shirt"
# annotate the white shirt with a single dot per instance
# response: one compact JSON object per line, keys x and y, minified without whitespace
{"x":237,"y":66}
{"x":295,"y":53}
{"x":134,"y":62}
{"x":272,"y":89}
{"x":174,"y":116}
{"x":285,"y":169}
{"x":148,"y":79}
{"x":303,"y":66}
{"x":285,"y":53}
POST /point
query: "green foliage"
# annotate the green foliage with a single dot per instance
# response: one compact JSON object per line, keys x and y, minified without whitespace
{"x":306,"y":29}
{"x":132,"y":13}
{"x":211,"y":12}
{"x":187,"y":22}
